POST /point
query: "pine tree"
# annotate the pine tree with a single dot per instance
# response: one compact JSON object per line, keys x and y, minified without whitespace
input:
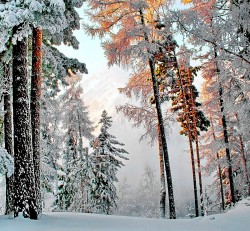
{"x":106,"y":158}
{"x":127,"y":48}
{"x":191,"y":119}
{"x":50,"y":16}
{"x":25,"y":194}
{"x":147,"y":194}
{"x":219,"y":26}
{"x":75,"y":120}
{"x":35,"y":98}
{"x":82,"y":176}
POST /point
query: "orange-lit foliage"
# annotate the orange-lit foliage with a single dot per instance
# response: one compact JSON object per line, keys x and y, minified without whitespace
{"x":186,"y":1}
{"x":119,"y":22}
{"x":202,"y":7}
{"x":138,"y":84}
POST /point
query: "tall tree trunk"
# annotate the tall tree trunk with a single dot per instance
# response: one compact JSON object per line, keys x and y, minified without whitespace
{"x":225,"y":133}
{"x":219,"y":169}
{"x":8,"y":136}
{"x":24,"y":171}
{"x":194,"y":176}
{"x":189,"y":130}
{"x":162,"y":177}
{"x":244,"y":160}
{"x":221,"y":183}
{"x":226,"y":139}
{"x":196,"y":140}
{"x":199,"y":172}
{"x":172,"y":213}
{"x":35,"y":98}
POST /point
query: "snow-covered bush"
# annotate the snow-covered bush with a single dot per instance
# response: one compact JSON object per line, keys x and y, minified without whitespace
{"x":6,"y":162}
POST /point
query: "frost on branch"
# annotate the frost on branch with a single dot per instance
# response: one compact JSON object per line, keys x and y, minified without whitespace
{"x":47,"y":15}
{"x":6,"y":162}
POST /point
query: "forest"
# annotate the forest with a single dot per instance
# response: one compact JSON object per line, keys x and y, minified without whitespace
{"x":47,"y":141}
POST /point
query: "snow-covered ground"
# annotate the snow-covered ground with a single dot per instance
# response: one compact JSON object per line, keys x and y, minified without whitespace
{"x":237,"y":219}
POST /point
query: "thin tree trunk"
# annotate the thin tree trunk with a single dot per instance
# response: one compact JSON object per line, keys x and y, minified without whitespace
{"x":221,"y":183}
{"x":187,"y":118}
{"x":196,"y":140}
{"x":194,"y":176}
{"x":228,"y":155}
{"x":225,"y":133}
{"x":244,"y":161}
{"x":199,"y":173}
{"x":219,"y":169}
{"x":172,"y":213}
{"x":162,"y":177}
{"x":35,"y":98}
{"x":8,"y":136}
{"x":24,"y":170}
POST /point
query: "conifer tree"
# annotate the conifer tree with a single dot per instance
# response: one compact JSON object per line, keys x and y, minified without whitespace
{"x":35,"y":98}
{"x":107,"y":159}
{"x":25,"y":194}
{"x":192,"y":120}
{"x":40,"y":14}
{"x":75,"y":120}
{"x":219,"y":26}
{"x":127,"y":48}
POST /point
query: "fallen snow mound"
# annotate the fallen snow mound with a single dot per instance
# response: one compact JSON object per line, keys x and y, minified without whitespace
{"x":237,"y":219}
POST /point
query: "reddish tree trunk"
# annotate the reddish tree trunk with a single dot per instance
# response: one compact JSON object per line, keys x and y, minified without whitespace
{"x":35,"y":98}
{"x":189,"y":130}
{"x":244,"y":162}
{"x":196,"y":140}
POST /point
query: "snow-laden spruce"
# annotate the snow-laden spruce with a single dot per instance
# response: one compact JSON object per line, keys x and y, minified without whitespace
{"x":106,"y":158}
{"x":57,"y":17}
{"x":66,"y":142}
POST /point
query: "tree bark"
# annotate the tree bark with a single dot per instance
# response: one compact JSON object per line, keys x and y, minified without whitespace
{"x":162,"y":177}
{"x":228,"y":155}
{"x":196,"y":140}
{"x":194,"y":176}
{"x":219,"y":169}
{"x":244,"y":160}
{"x":225,"y":133}
{"x":172,"y":213}
{"x":221,"y":183}
{"x":24,"y":172}
{"x":35,"y":98}
{"x":189,"y":130}
{"x":8,"y":136}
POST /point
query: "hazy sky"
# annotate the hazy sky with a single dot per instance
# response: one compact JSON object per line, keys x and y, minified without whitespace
{"x":100,"y":92}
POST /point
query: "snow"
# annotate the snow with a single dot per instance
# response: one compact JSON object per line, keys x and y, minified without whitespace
{"x":235,"y":219}
{"x":6,"y":162}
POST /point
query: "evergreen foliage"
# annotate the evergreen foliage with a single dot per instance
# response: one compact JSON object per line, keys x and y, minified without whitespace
{"x":106,"y":158}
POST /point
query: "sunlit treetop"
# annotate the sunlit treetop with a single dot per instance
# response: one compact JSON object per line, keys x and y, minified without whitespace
{"x":107,"y":15}
{"x":186,"y":1}
{"x":119,"y":23}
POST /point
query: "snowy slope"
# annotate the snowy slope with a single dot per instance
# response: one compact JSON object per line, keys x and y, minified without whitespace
{"x":237,"y":219}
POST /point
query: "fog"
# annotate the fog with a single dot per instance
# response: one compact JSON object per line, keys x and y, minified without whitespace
{"x":101,"y":93}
